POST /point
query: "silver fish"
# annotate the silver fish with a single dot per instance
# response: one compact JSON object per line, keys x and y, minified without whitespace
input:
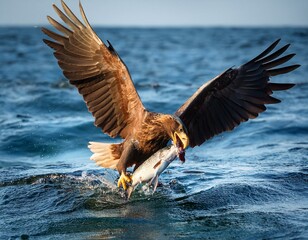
{"x":149,"y":171}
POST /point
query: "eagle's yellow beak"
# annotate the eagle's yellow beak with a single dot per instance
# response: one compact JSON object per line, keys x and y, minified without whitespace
{"x":180,"y":139}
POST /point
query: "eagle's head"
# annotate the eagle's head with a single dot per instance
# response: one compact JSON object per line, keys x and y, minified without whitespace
{"x":178,"y":133}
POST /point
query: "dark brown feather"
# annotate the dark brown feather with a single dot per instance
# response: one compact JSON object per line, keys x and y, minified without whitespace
{"x":278,"y":61}
{"x":277,"y":71}
{"x":280,"y":86}
{"x":274,"y":54}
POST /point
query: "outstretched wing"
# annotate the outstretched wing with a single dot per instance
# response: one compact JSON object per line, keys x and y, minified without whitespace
{"x":97,"y":71}
{"x":234,"y":96}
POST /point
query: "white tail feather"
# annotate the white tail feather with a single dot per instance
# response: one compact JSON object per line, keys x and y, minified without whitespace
{"x":104,"y":154}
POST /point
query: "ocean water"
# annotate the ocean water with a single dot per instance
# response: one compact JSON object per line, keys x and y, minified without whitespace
{"x":251,"y":183}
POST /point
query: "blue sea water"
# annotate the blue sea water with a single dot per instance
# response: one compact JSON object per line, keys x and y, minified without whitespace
{"x":250,"y":183}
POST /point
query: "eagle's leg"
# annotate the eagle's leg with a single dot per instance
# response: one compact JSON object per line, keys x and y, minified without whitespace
{"x":124,"y":178}
{"x":127,"y":157}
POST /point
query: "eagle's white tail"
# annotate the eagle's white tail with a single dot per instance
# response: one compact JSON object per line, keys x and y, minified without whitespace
{"x":105,"y":154}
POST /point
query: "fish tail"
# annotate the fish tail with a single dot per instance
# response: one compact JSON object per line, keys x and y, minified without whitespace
{"x":129,"y":192}
{"x":105,"y":154}
{"x":155,"y":182}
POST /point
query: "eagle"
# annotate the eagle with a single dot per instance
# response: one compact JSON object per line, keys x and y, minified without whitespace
{"x":103,"y":80}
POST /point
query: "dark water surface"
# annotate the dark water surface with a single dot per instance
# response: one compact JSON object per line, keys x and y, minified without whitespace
{"x":251,"y":183}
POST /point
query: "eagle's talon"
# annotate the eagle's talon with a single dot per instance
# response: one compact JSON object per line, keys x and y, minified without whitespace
{"x":123,"y":180}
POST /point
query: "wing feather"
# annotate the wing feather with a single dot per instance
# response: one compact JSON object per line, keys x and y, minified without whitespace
{"x":277,"y":71}
{"x":274,"y":54}
{"x":97,"y":71}
{"x":235,"y":96}
{"x":278,"y":61}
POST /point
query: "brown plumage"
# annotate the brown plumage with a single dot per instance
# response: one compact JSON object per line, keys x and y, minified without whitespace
{"x":103,"y":80}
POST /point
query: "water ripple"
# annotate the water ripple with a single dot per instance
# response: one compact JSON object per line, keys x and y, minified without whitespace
{"x":250,"y":183}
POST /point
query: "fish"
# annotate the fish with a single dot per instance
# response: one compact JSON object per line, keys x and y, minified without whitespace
{"x":149,"y":171}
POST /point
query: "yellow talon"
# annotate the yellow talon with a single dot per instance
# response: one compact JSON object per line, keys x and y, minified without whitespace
{"x":123,"y":180}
